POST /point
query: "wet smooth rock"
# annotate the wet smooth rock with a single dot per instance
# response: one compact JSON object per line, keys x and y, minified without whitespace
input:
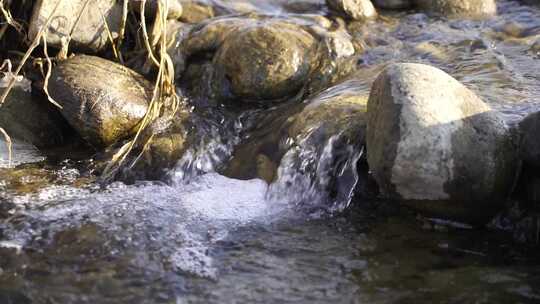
{"x":435,"y":145}
{"x":529,"y":148}
{"x":102,"y":100}
{"x":393,"y":4}
{"x":460,"y":8}
{"x":327,"y":140}
{"x":261,"y":58}
{"x":354,"y":9}
{"x":157,"y":158}
{"x":264,"y":61}
{"x":336,"y":61}
{"x":31,"y":118}
{"x":196,"y":11}
{"x":86,"y":33}
{"x":341,"y":109}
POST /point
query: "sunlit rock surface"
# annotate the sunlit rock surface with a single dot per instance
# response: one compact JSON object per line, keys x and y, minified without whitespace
{"x":87,"y":32}
{"x":102,"y":100}
{"x":433,"y":142}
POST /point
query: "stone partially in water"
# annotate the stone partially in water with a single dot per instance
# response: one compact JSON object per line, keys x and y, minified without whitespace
{"x":460,"y":8}
{"x":75,"y":20}
{"x":266,"y":168}
{"x":159,"y":147}
{"x":319,"y":169}
{"x":264,"y":61}
{"x":337,"y":60}
{"x":354,"y":9}
{"x":102,"y":100}
{"x":332,"y":112}
{"x":157,"y":158}
{"x":31,"y":118}
{"x":435,"y":145}
{"x":260,"y":58}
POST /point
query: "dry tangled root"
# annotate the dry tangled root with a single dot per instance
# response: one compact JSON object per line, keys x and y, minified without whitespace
{"x":164,"y":102}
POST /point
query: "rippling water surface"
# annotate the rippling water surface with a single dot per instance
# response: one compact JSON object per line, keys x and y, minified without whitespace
{"x":213,"y":239}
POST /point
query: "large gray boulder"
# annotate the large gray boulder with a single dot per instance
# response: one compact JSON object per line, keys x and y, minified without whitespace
{"x":102,"y":100}
{"x":353,"y":9}
{"x":434,"y":144}
{"x":475,"y":9}
{"x":83,"y":24}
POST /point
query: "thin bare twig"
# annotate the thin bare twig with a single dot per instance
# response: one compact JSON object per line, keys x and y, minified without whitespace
{"x":109,"y":35}
{"x":122,"y":32}
{"x":145,"y":34}
{"x":48,"y":74}
{"x":164,"y":93}
{"x":9,"y":19}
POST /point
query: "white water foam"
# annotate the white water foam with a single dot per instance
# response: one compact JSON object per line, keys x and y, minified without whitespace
{"x":183,"y":221}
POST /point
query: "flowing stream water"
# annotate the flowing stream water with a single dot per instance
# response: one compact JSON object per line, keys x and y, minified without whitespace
{"x":207,"y":238}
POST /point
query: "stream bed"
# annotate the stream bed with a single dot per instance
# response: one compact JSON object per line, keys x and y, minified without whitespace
{"x":207,"y":238}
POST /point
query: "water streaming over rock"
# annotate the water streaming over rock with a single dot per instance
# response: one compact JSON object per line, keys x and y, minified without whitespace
{"x":207,"y":238}
{"x":318,"y":178}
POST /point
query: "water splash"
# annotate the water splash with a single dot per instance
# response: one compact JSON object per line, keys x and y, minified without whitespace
{"x":212,"y":142}
{"x":318,"y":178}
{"x":178,"y":225}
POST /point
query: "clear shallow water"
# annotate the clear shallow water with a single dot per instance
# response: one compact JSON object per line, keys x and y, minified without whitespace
{"x":21,"y":153}
{"x":495,"y":58}
{"x":215,"y":239}
{"x":218,"y":240}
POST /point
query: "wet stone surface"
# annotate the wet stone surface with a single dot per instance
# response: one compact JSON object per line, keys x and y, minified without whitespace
{"x":220,"y":237}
